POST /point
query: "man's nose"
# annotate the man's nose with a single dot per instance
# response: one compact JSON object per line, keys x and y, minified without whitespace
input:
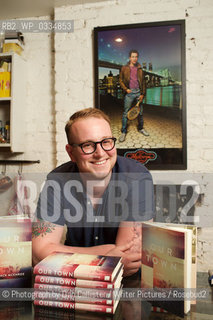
{"x":99,"y":150}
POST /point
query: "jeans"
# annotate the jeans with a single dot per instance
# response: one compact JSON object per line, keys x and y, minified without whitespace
{"x":128,"y":100}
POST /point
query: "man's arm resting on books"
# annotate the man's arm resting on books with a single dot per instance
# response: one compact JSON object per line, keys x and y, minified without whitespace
{"x":46,"y":238}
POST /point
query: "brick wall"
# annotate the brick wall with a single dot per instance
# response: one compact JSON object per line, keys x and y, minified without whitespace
{"x":40,"y":116}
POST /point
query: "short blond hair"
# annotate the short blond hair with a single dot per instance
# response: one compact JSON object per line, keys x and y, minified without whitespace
{"x":84,"y":114}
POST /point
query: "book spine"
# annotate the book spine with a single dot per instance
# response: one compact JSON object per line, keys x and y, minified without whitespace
{"x":81,"y":292}
{"x":54,"y":304}
{"x":40,"y":270}
{"x":72,"y":282}
{"x":73,"y":273}
{"x":53,"y":288}
{"x":68,"y":282}
{"x":70,"y":297}
{"x":54,"y":296}
{"x":74,"y":306}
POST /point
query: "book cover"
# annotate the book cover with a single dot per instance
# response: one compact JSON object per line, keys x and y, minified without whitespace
{"x":15,"y":251}
{"x":72,"y":282}
{"x":194,"y":249}
{"x":82,"y":266}
{"x":166,"y":262}
{"x":15,"y":257}
{"x":77,"y":306}
{"x":5,"y":84}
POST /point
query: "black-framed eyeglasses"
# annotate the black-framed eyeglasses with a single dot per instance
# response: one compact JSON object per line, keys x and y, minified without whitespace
{"x":89,"y":147}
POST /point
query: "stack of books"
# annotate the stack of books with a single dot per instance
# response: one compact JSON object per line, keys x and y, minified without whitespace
{"x":78,"y":282}
{"x":16,"y":252}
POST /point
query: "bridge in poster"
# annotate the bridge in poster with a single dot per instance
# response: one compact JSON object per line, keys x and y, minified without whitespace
{"x":148,"y":74}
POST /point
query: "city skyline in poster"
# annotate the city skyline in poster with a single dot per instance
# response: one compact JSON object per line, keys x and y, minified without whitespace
{"x":158,"y":46}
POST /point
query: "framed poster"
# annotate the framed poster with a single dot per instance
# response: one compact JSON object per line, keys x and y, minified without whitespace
{"x":140,"y":83}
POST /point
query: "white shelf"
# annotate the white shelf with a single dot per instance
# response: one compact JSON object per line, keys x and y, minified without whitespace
{"x":12,"y":108}
{"x":5,"y":145}
{"x":5,"y":98}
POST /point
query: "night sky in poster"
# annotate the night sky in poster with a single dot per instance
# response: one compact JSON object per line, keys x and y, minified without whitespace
{"x":159,"y":45}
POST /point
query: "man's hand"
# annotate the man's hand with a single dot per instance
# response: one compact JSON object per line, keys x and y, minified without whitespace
{"x":141,"y":98}
{"x":128,"y":91}
{"x":131,"y":261}
{"x":120,"y":250}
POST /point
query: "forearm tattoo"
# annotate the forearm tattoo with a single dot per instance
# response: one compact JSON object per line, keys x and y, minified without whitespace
{"x":41,"y":228}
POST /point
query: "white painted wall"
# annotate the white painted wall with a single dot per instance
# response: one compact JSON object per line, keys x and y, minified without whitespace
{"x":40,"y":127}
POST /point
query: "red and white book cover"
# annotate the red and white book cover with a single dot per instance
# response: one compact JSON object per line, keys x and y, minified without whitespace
{"x":81,"y":266}
{"x":15,"y":252}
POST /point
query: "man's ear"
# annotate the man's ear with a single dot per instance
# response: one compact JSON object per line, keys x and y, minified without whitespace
{"x":69,"y":150}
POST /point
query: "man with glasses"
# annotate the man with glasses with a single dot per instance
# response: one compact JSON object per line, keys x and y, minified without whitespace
{"x":86,"y":195}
